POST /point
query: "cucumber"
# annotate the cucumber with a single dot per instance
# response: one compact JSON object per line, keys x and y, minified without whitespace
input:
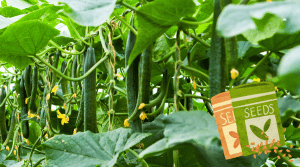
{"x":132,"y":81}
{"x":64,"y":83}
{"x":74,"y":74}
{"x":90,"y":116}
{"x":13,"y":122}
{"x":3,"y":129}
{"x":24,"y":109}
{"x":35,"y":74}
{"x":27,"y":84}
{"x":145,"y":76}
{"x":217,"y":60}
{"x":80,"y":116}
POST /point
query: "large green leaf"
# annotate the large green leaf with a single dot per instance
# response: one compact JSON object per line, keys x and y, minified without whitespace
{"x":89,"y":149}
{"x":236,"y":19}
{"x":157,"y":17}
{"x":89,"y":12}
{"x":292,"y":133}
{"x":289,"y":69}
{"x":288,"y":106}
{"x":246,"y":49}
{"x":24,"y":38}
{"x":197,"y":128}
{"x":10,"y":11}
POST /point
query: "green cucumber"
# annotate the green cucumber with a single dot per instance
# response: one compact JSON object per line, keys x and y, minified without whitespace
{"x":90,"y":116}
{"x":296,"y":123}
{"x":24,"y":109}
{"x":132,"y":81}
{"x":145,"y":76}
{"x":64,"y":83}
{"x":27,"y":83}
{"x":13,"y":122}
{"x":35,"y":74}
{"x":3,"y":129}
{"x":80,"y":116}
{"x":74,"y":74}
{"x":217,"y":60}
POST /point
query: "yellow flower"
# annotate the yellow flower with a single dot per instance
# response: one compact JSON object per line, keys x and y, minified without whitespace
{"x":31,"y":115}
{"x":119,"y":76}
{"x":74,"y":96}
{"x":126,"y":123}
{"x":16,"y":147}
{"x":143,"y":116}
{"x":269,"y":0}
{"x":26,"y":100}
{"x":48,"y":96}
{"x":21,"y":134}
{"x":38,"y":117}
{"x":276,"y":89}
{"x":234,"y":73}
{"x":65,"y":107}
{"x":75,"y":131}
{"x":27,"y":141}
{"x":63,"y":117}
{"x":142,"y":105}
{"x":7,"y":148}
{"x":256,"y":79}
{"x":46,"y":135}
{"x":194,"y":85}
{"x":55,"y":89}
{"x":15,"y":152}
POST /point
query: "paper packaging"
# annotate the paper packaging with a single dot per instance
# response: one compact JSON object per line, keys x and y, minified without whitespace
{"x":251,"y":110}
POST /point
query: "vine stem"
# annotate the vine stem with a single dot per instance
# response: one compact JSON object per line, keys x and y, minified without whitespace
{"x":285,"y":159}
{"x":33,"y":147}
{"x":197,"y":39}
{"x":177,"y":70}
{"x":138,"y":157}
{"x":127,"y":24}
{"x":70,"y":78}
{"x":38,"y":162}
{"x":294,"y":118}
{"x":77,"y":33}
{"x":209,"y":19}
{"x":195,"y":71}
{"x":64,"y":51}
{"x":7,"y":95}
{"x":257,"y":65}
{"x":195,"y":96}
{"x":128,"y":6}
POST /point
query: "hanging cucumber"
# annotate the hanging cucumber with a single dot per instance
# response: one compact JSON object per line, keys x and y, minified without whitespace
{"x":24,"y":109}
{"x":90,"y":116}
{"x":145,"y":75}
{"x":27,"y":83}
{"x":13,"y":122}
{"x":132,"y":81}
{"x":74,"y":74}
{"x":3,"y":129}
{"x":64,"y":83}
{"x":35,"y":74}
{"x":217,"y":63}
{"x":80,"y":116}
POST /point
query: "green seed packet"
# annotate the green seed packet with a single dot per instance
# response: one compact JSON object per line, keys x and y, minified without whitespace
{"x":257,"y":117}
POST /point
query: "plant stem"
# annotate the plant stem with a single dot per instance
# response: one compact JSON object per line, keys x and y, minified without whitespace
{"x":138,"y":157}
{"x":128,"y":6}
{"x":195,"y":71}
{"x":257,"y":65}
{"x":33,"y":147}
{"x":195,"y":96}
{"x":77,"y":33}
{"x":70,"y":78}
{"x":197,"y":39}
{"x":177,"y":70}
{"x":286,"y":160}
{"x":244,"y":2}
{"x":62,"y":50}
{"x":294,"y":118}
{"x":168,"y":55}
{"x":7,"y":95}
{"x":209,"y":19}
{"x":127,"y":24}
{"x":38,"y":162}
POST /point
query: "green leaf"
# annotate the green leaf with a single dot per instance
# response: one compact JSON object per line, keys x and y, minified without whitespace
{"x":267,"y":125}
{"x":292,"y":133}
{"x":246,"y":49}
{"x":157,"y":17}
{"x":288,"y":106}
{"x":89,"y":149}
{"x":24,"y":38}
{"x":236,"y":19}
{"x":89,"y":12}
{"x":281,"y":41}
{"x":10,"y":11}
{"x":62,"y":40}
{"x":197,"y":129}
{"x":3,"y":3}
{"x":289,"y":69}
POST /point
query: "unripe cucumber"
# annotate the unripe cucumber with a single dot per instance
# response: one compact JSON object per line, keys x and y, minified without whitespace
{"x":24,"y":109}
{"x":3,"y":129}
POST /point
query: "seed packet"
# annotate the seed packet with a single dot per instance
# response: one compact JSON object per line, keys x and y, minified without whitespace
{"x":257,"y":118}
